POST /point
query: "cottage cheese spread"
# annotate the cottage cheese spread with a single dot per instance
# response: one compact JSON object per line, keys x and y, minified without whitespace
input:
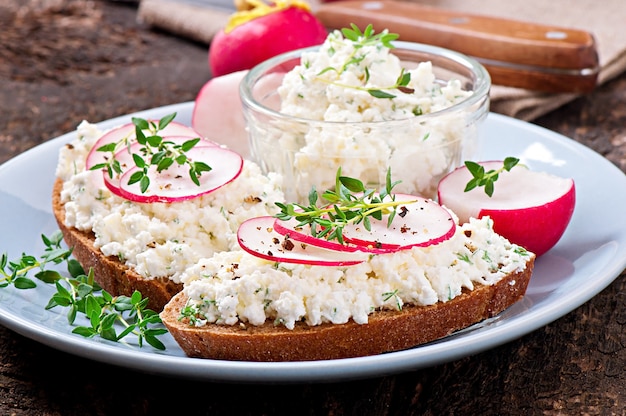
{"x":159,"y":239}
{"x":234,"y":287}
{"x":364,"y":134}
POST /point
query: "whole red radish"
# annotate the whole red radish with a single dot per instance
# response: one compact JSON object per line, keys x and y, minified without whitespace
{"x":261,"y":32}
{"x":529,"y":208}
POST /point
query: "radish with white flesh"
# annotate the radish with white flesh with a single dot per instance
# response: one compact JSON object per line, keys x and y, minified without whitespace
{"x":529,"y":208}
{"x":125,"y":158}
{"x":259,"y":31}
{"x":217,"y":112}
{"x":174,"y":184}
{"x":127,"y":132}
{"x":258,"y":237}
{"x":302,"y":234}
{"x":418,"y":223}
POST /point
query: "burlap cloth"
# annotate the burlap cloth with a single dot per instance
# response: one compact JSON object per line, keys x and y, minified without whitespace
{"x":605,"y":19}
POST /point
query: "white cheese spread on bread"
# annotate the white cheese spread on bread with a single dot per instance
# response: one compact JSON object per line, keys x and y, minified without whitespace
{"x":235,"y":287}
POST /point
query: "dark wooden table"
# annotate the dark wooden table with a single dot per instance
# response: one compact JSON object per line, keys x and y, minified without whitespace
{"x":64,"y":61}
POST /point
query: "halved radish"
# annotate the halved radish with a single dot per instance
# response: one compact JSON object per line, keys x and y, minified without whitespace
{"x":218,"y":114}
{"x":126,"y":133}
{"x":258,"y":237}
{"x":529,"y":208}
{"x":218,"y":111}
{"x":174,"y":184}
{"x":421,"y":222}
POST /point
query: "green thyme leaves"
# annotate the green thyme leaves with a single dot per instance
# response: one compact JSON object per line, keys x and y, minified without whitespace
{"x":110,"y":317}
{"x":149,"y":148}
{"x":350,"y":202}
{"x":367,"y":37}
{"x":361,"y":39}
{"x":487,"y":179}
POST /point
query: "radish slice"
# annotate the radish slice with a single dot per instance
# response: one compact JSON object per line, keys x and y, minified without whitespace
{"x":303,"y":234}
{"x":258,"y":237}
{"x":127,"y":131}
{"x":125,"y":157}
{"x":420,"y":223}
{"x":174,"y":183}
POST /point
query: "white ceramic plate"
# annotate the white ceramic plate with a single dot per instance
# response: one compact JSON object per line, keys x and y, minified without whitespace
{"x":591,"y":254}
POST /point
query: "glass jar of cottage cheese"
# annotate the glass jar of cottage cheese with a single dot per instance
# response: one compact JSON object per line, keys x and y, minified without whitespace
{"x":414,"y":109}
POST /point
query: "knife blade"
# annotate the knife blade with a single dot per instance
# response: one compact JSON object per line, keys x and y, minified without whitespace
{"x":516,"y":53}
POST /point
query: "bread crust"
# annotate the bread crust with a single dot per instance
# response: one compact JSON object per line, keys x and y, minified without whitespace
{"x":113,"y":276}
{"x":386,"y":331}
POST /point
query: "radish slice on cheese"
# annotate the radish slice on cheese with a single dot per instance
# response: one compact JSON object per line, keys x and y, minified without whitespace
{"x":302,"y":234}
{"x":529,"y":208}
{"x":419,"y":223}
{"x":258,"y":237}
{"x":127,"y":132}
{"x":174,"y":184}
{"x":125,"y":158}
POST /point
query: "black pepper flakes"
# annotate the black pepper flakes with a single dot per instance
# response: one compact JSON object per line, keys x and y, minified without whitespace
{"x":288,"y":245}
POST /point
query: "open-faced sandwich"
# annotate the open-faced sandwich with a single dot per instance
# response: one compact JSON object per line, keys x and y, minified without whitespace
{"x":138,"y":238}
{"x":364,"y":274}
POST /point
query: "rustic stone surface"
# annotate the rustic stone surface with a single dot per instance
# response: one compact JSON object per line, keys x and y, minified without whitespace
{"x":63,"y":61}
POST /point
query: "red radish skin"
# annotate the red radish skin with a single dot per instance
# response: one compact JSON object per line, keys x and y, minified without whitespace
{"x":261,"y":38}
{"x":303,"y":235}
{"x":258,"y":237}
{"x":531,"y":209}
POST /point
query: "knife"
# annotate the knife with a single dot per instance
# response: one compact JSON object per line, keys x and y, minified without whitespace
{"x":517,"y":54}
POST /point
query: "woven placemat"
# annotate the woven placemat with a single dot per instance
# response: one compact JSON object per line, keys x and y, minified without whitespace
{"x":195,"y":20}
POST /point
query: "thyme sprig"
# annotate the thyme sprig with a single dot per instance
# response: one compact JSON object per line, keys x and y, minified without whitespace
{"x":350,"y":202}
{"x":361,"y":39}
{"x":82,"y":295}
{"x":481,"y":178}
{"x":154,"y":151}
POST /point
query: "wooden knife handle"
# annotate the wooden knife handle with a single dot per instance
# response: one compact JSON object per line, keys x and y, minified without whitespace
{"x":516,"y":53}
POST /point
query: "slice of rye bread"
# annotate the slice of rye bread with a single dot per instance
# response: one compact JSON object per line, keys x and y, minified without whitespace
{"x":114,"y":277}
{"x":386,"y":330}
